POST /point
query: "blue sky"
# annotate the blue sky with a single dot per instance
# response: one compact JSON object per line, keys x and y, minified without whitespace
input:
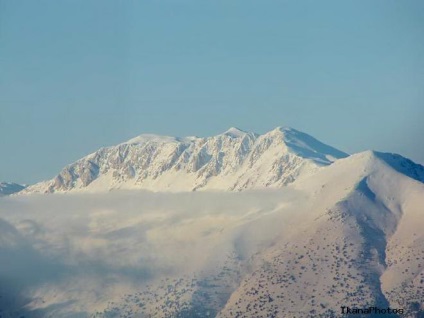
{"x":82,"y":74}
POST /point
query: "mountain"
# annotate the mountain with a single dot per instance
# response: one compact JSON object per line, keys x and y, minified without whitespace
{"x":349,"y":234}
{"x":358,"y":243}
{"x":234,"y":160}
{"x":7,"y":188}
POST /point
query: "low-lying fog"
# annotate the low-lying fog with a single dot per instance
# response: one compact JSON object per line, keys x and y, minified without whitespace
{"x":78,"y":247}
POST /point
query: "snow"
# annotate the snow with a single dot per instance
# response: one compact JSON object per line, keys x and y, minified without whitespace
{"x":309,"y":147}
{"x":235,"y":160}
{"x":347,"y":233}
{"x":234,"y":132}
{"x":145,"y":138}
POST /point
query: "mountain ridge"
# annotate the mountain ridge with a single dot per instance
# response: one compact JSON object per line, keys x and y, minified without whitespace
{"x":234,"y":160}
{"x":350,"y":234}
{"x":361,"y":233}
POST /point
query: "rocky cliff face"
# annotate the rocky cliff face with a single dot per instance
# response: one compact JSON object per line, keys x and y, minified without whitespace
{"x":235,"y":160}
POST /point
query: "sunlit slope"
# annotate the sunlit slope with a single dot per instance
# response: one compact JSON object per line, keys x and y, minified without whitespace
{"x":235,"y":161}
{"x":349,"y":234}
{"x":358,"y":244}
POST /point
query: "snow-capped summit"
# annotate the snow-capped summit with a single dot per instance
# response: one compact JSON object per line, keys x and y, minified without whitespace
{"x":158,"y":139}
{"x":347,"y":231}
{"x":307,"y":146}
{"x":235,"y":132}
{"x":234,"y":160}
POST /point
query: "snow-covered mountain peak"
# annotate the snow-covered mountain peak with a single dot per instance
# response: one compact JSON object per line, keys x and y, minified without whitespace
{"x":343,"y":232}
{"x":402,"y":165}
{"x":158,"y":139}
{"x":234,"y":132}
{"x":349,"y":232}
{"x":306,"y":146}
{"x":369,"y":160}
{"x":283,"y":129}
{"x":234,"y":160}
{"x":370,"y":168}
